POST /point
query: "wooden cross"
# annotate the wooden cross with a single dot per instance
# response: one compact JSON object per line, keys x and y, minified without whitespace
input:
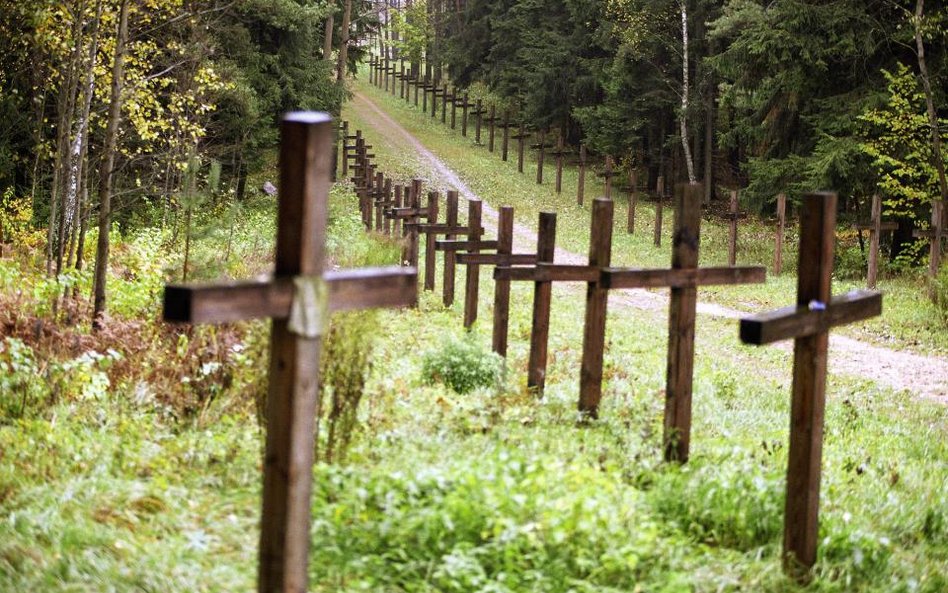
{"x":451,"y":231}
{"x":392,"y":70}
{"x":633,"y":200}
{"x":542,"y":275}
{"x":559,"y":153}
{"x":505,"y":125}
{"x":936,"y":234}
{"x":504,"y":257}
{"x":607,"y":174}
{"x":520,"y":137}
{"x":684,"y":277}
{"x":435,"y":93}
{"x":541,"y":146}
{"x":491,"y":121}
{"x":298,"y":299}
{"x":465,"y":105}
{"x":581,"y":185}
{"x":660,"y":190}
{"x":454,"y":107}
{"x":809,"y":323}
{"x":432,"y":229}
{"x":473,"y":244}
{"x":379,"y":199}
{"x":403,"y":81}
{"x":371,"y":69}
{"x":781,"y":228}
{"x":733,"y":216}
{"x":410,"y":215}
{"x":444,"y":103}
{"x":875,"y":226}
{"x":416,"y":82}
{"x":478,"y":114}
{"x":425,"y":87}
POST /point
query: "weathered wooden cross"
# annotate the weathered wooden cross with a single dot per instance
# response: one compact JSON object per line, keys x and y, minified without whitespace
{"x":781,"y":228}
{"x":559,"y":153}
{"x":520,"y":137}
{"x":298,"y":299}
{"x":505,"y":125}
{"x":733,"y":215}
{"x":581,"y":185}
{"x":504,"y":257}
{"x":875,"y":226}
{"x":410,"y":215}
{"x":684,"y":277}
{"x":435,"y":93}
{"x":541,"y":147}
{"x":465,"y":105}
{"x":491,"y":123}
{"x":473,"y":244}
{"x":607,"y":174}
{"x":633,"y":200}
{"x":659,"y":206}
{"x":936,"y":234}
{"x":478,"y":114}
{"x":809,"y":323}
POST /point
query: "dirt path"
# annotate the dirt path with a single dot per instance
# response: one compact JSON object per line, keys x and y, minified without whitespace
{"x":926,"y":376}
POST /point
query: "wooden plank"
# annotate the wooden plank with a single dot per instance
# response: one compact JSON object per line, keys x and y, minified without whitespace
{"x":797,"y":321}
{"x":781,"y":229}
{"x":540,"y":155}
{"x":465,"y":245}
{"x":448,"y":229}
{"x":447,"y":295}
{"x":868,"y":226}
{"x":497,"y":259}
{"x":633,"y":200}
{"x":681,"y":277}
{"x":873,"y":270}
{"x":732,"y":227}
{"x":271,"y":298}
{"x":597,"y":298}
{"x":542,"y":296}
{"x":430,"y":253}
{"x":472,"y":278}
{"x":413,"y":243}
{"x":549,"y":273}
{"x":681,"y":325}
{"x":505,"y":224}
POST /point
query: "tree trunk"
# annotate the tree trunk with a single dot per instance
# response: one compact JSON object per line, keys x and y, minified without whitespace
{"x":342,"y":66}
{"x":937,"y":159}
{"x":107,"y":168}
{"x":327,"y":37}
{"x":685,"y":84}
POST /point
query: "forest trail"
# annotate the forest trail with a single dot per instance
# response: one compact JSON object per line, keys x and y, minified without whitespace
{"x":925,"y":376}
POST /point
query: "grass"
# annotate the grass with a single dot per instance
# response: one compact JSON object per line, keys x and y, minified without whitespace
{"x":909,"y":320}
{"x":111,"y":485}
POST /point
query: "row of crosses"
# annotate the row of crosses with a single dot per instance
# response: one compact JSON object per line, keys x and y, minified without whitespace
{"x":301,"y":295}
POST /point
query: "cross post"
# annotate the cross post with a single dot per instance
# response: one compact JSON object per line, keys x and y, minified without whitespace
{"x":781,"y":229}
{"x":633,"y":200}
{"x":541,"y":146}
{"x":491,"y":121}
{"x":520,"y":137}
{"x":809,"y":323}
{"x":936,"y":234}
{"x":472,"y":244}
{"x":504,"y":257}
{"x":875,"y":228}
{"x":733,"y":216}
{"x":581,"y":185}
{"x":505,"y":142}
{"x":607,"y":174}
{"x":659,"y":204}
{"x":478,"y":113}
{"x":465,"y":105}
{"x":559,"y":153}
{"x":298,"y":299}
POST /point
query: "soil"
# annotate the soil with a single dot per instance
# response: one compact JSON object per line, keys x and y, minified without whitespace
{"x":924,"y":376}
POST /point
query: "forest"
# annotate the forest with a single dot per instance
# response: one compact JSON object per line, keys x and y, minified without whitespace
{"x":144,"y":149}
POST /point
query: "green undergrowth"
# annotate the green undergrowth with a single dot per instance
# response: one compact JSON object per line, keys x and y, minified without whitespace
{"x":909,"y":321}
{"x":130,"y":479}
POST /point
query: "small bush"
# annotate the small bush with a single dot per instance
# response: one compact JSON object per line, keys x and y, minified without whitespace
{"x":463,"y":365}
{"x":345,"y":366}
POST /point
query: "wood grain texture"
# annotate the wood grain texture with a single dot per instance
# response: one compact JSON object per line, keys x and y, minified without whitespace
{"x":801,"y":321}
{"x":451,"y":220}
{"x":633,"y":201}
{"x":472,"y":278}
{"x":781,"y":231}
{"x":549,"y":273}
{"x":682,"y":277}
{"x":581,"y":183}
{"x":505,"y":224}
{"x":594,"y":329}
{"x":430,"y":253}
{"x":472,"y":245}
{"x":542,"y":296}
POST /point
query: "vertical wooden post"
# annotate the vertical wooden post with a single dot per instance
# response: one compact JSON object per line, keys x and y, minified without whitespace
{"x":681,"y":323}
{"x":490,"y":131}
{"x":505,"y":142}
{"x":876,"y":222}
{"x":477,"y":122}
{"x":464,"y":107}
{"x":540,"y":157}
{"x":581,"y":187}
{"x":607,"y":174}
{"x":559,"y":163}
{"x":594,"y":330}
{"x":430,"y":253}
{"x":387,"y":198}
{"x":658,"y":212}
{"x":937,"y":231}
{"x":781,"y":227}
{"x":732,"y":237}
{"x":817,"y":242}
{"x":633,"y":200}
{"x":473,"y":270}
{"x":454,"y":108}
{"x":450,"y":256}
{"x":505,"y":224}
{"x":521,"y":140}
{"x":294,"y":360}
{"x":424,"y":95}
{"x":397,"y":223}
{"x":378,"y":199}
{"x":444,"y":103}
{"x":415,"y":202}
{"x":542,"y":296}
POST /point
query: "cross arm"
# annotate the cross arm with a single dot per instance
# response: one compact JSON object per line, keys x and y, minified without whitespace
{"x":238,"y":301}
{"x":497,"y":259}
{"x":801,"y":321}
{"x":460,"y":245}
{"x":446,"y":229}
{"x":681,"y":277}
{"x":549,"y":273}
{"x":884,"y":226}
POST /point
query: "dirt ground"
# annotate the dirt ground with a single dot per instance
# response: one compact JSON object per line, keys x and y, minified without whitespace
{"x":925,"y":376}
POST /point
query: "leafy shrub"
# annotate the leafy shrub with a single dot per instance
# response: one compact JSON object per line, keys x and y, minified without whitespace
{"x":345,"y":366}
{"x":851,"y":263}
{"x":462,"y":364}
{"x":20,"y":392}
